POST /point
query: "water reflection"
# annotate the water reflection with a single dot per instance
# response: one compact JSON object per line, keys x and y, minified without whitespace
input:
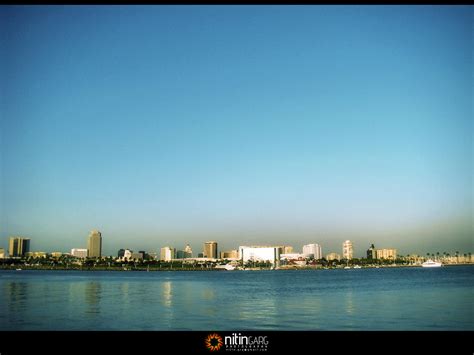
{"x":166,"y":294}
{"x":17,"y":295}
{"x":93,"y":293}
{"x":349,"y":303}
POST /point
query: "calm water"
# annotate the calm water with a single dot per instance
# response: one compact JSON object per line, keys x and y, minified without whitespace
{"x":363,"y":299}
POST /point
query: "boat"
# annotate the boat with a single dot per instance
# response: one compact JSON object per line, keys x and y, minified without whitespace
{"x":347,"y":267}
{"x":431,"y":263}
{"x":18,"y":269}
{"x":357,"y":267}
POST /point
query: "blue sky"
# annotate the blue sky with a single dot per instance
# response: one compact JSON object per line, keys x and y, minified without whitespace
{"x":167,"y":125}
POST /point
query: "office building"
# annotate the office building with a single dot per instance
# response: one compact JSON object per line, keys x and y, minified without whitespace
{"x":19,"y":246}
{"x":167,"y":254}
{"x":2,"y":253}
{"x":210,"y":250}
{"x":120,"y":253}
{"x":94,"y":244}
{"x":347,"y":250}
{"x":371,"y":253}
{"x":79,"y":253}
{"x":313,"y":250}
{"x":186,"y":253}
{"x":387,"y":254}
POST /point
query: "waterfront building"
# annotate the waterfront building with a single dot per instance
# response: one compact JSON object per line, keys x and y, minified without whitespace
{"x":2,"y":253}
{"x":200,"y":255}
{"x":137,"y":256}
{"x":94,"y":244}
{"x":120,"y":253}
{"x":295,"y":256}
{"x":186,"y":253}
{"x":347,"y":250}
{"x":333,"y":256}
{"x":314,"y":250}
{"x":18,"y":246}
{"x":167,"y":253}
{"x":371,"y":253}
{"x":79,"y":253}
{"x":56,"y":254}
{"x":260,"y":253}
{"x":127,"y":253}
{"x":35,"y":254}
{"x":388,"y":254}
{"x":210,"y":250}
{"x":230,"y":254}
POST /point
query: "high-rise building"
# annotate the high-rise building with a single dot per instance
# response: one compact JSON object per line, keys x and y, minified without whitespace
{"x":2,"y":253}
{"x":314,"y":250}
{"x":19,"y":246}
{"x":79,"y":253}
{"x":347,"y":250}
{"x":388,"y":254}
{"x":120,"y":253}
{"x":94,"y":244}
{"x":167,"y":253}
{"x":188,"y":251}
{"x":371,"y":253}
{"x":210,"y":250}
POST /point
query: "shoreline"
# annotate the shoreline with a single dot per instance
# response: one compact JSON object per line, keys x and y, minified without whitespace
{"x":285,"y":268}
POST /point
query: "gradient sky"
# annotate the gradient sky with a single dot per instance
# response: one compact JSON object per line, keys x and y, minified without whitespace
{"x":166,"y":125}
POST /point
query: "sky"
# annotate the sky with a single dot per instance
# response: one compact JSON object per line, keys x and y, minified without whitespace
{"x":168,"y":125}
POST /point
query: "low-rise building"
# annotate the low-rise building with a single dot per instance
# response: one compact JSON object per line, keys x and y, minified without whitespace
{"x":333,"y":256}
{"x":230,"y":254}
{"x":388,"y":254}
{"x":79,"y":253}
{"x":259,"y":253}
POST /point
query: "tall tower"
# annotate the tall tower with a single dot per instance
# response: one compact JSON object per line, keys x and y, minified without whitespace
{"x":210,"y":249}
{"x":347,"y":250}
{"x":94,"y":244}
{"x":188,"y":252}
{"x":18,"y":246}
{"x":314,"y":249}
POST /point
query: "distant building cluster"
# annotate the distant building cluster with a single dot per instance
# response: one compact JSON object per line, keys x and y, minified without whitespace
{"x":275,"y":255}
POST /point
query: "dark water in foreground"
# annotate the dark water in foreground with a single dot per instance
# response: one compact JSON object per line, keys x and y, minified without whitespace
{"x":355,"y":299}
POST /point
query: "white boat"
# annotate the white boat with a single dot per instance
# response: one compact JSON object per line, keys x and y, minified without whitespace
{"x":357,"y":267}
{"x":347,"y":267}
{"x":431,"y":263}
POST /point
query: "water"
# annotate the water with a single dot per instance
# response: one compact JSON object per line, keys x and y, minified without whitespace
{"x":363,"y":299}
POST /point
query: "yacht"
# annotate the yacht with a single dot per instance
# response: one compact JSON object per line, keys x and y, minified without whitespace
{"x":431,"y":263}
{"x":357,"y":267}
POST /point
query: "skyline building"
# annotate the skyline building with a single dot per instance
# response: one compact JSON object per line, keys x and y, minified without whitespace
{"x":260,"y":253}
{"x":347,"y":250}
{"x":386,"y":254}
{"x":313,"y":249}
{"x":229,"y":254}
{"x":18,"y":246}
{"x":371,"y":253}
{"x":2,"y":253}
{"x":79,"y":253}
{"x":167,"y":254}
{"x":210,"y":250}
{"x":94,"y":244}
{"x":186,"y":253}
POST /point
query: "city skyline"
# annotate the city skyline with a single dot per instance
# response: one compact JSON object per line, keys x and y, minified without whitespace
{"x":288,"y":125}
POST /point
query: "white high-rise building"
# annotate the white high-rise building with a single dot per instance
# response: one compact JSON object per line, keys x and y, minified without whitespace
{"x":167,"y":254}
{"x":347,"y":250}
{"x":314,"y":250}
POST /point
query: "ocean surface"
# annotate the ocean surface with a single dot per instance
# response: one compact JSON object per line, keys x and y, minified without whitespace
{"x":355,"y":299}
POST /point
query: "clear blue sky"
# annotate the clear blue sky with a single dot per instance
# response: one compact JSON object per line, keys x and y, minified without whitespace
{"x":166,"y":125}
